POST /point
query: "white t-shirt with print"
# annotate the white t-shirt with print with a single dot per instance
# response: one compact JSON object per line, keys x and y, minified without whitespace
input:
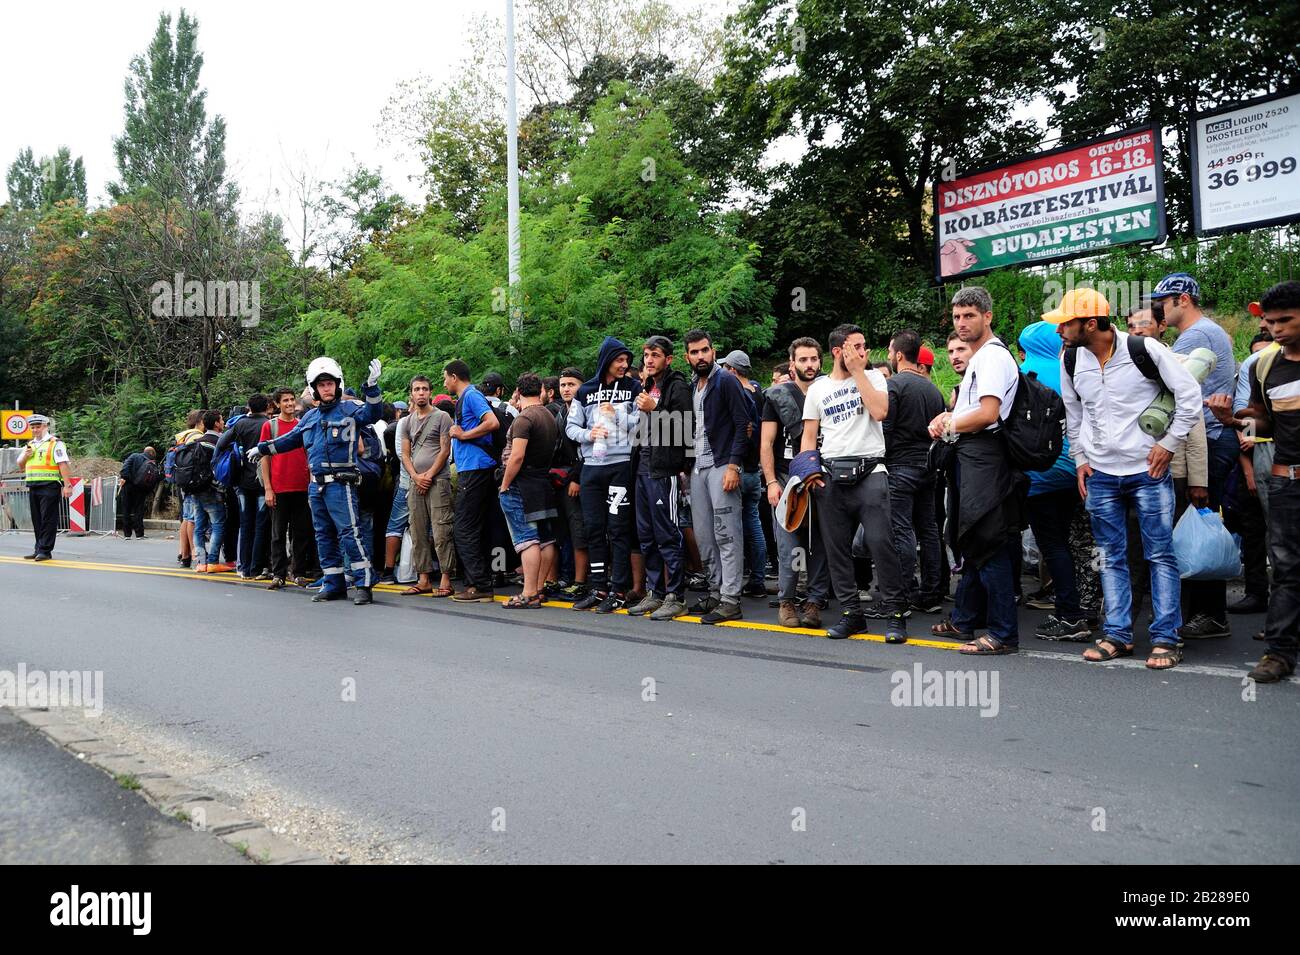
{"x":847,"y":430}
{"x":992,"y":371}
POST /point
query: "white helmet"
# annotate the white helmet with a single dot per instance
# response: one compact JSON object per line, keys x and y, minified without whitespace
{"x":324,"y":366}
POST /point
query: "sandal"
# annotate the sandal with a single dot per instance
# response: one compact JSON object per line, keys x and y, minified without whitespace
{"x":534,"y":602}
{"x":415,"y":591}
{"x":988,"y":646}
{"x":1107,"y":649}
{"x":1164,"y":657}
{"x":945,"y":629}
{"x":442,"y":592}
{"x":517,"y":602}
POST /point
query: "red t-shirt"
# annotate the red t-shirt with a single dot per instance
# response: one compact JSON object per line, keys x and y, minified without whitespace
{"x":288,"y":469}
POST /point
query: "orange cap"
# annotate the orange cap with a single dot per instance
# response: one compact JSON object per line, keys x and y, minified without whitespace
{"x":1078,"y":303}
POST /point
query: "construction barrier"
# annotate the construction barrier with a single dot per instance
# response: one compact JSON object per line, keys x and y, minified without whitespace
{"x":91,"y":508}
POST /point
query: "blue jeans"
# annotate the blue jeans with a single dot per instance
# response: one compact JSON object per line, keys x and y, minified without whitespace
{"x":523,"y":533}
{"x":751,"y":489}
{"x":988,"y":594}
{"x":911,"y":508}
{"x":209,"y":526}
{"x":399,"y":516}
{"x":1108,"y":495}
{"x":254,"y":532}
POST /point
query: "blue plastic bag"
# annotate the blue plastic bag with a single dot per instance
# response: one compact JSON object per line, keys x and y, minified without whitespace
{"x":1204,"y":548}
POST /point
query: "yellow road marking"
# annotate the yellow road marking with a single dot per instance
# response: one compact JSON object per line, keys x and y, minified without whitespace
{"x":230,"y":578}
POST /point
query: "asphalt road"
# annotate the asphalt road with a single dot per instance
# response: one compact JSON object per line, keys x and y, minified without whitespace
{"x":58,"y":810}
{"x":480,"y":734}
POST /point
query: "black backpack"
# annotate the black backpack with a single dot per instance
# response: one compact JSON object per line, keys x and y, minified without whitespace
{"x":147,"y":475}
{"x":193,"y":467}
{"x":504,"y":420}
{"x":1035,"y":429}
{"x":1137,"y":351}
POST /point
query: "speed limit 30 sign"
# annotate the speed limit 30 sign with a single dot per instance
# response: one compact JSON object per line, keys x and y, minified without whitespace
{"x":14,"y":426}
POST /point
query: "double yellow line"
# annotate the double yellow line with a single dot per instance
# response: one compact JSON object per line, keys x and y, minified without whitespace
{"x":230,"y":578}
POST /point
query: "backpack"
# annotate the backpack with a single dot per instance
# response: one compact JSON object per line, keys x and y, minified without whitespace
{"x":228,"y":466}
{"x":1137,"y":351}
{"x":789,"y":409}
{"x":371,"y":460}
{"x":1034,"y":430}
{"x":1263,"y":365}
{"x":192,"y":469}
{"x":147,"y":475}
{"x":498,"y":436}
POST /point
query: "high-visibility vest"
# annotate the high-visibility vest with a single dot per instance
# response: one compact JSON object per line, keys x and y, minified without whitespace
{"x":40,"y":465}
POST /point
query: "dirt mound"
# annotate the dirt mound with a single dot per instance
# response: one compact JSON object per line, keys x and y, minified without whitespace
{"x":95,"y":467}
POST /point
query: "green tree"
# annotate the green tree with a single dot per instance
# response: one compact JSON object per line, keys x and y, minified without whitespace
{"x":168,"y":147}
{"x":37,"y":185}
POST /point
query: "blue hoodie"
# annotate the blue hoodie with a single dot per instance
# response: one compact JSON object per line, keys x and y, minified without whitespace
{"x":584,"y":409}
{"x":1042,"y":347}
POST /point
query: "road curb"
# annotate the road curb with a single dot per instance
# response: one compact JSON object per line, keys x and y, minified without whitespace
{"x":171,"y":796}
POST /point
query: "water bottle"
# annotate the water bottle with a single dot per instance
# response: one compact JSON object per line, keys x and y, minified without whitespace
{"x":600,"y":446}
{"x":1157,"y":417}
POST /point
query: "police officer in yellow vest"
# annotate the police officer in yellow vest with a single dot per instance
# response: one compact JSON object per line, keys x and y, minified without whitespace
{"x":45,"y":462}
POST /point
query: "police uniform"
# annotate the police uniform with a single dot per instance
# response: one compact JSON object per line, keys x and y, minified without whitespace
{"x":329,"y":434}
{"x":45,"y":488}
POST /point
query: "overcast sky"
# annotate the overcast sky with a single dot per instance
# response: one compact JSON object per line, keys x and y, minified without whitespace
{"x":290,"y":78}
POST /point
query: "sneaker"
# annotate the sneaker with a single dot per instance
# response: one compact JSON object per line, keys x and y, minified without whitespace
{"x":896,"y":629}
{"x":33,"y":557}
{"x":648,"y":604}
{"x":1070,"y":631}
{"x":697,"y":583}
{"x":1203,"y":627}
{"x":389,"y":576}
{"x":611,"y":603}
{"x":301,"y":582}
{"x":220,"y":568}
{"x":725,"y":610}
{"x":927,"y":605}
{"x":754,"y":589}
{"x":1251,"y":603}
{"x":672,"y":608}
{"x":592,"y":600}
{"x":474,"y":595}
{"x":277,"y":583}
{"x":847,"y":625}
{"x":40,"y":557}
{"x":1270,"y":669}
{"x":243,"y":576}
{"x":810,"y":616}
{"x":326,"y":595}
{"x":574,"y":592}
{"x":1044,"y":599}
{"x":788,"y":614}
{"x":363,"y":597}
{"x":264,"y":575}
{"x":706,"y":604}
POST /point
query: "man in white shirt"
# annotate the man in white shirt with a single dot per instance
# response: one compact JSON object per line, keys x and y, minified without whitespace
{"x":988,"y":492}
{"x":1105,"y":391}
{"x":847,"y":407}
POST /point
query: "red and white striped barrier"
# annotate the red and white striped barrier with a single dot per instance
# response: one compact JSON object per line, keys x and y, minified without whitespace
{"x":77,"y":507}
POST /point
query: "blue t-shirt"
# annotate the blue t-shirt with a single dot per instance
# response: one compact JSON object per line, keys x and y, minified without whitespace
{"x":1042,"y":347}
{"x":470,"y":455}
{"x":1206,"y":334}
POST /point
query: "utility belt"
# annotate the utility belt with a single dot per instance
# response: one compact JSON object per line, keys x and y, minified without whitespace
{"x":849,"y":471}
{"x":348,"y":477}
{"x":1290,"y":471}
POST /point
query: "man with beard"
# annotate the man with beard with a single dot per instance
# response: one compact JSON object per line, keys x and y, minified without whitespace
{"x":665,"y":406}
{"x":426,"y":456}
{"x":913,"y":403}
{"x":989,"y":491}
{"x":779,"y":441}
{"x":721,"y":417}
{"x":846,"y":409}
{"x":1105,"y":391}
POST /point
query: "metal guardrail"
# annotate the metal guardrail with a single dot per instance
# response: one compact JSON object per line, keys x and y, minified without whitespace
{"x":16,"y":508}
